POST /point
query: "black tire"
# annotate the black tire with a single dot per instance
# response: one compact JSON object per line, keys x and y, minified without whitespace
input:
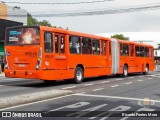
{"x":125,"y":71}
{"x":78,"y":75}
{"x":146,"y":70}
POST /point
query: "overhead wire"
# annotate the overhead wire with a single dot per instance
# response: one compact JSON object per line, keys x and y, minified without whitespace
{"x":60,"y":3}
{"x":97,"y":12}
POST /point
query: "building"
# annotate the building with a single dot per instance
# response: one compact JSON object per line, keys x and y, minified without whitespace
{"x":10,"y":16}
{"x":13,"y":13}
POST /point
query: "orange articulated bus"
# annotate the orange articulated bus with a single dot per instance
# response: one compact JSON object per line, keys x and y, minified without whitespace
{"x":47,"y":53}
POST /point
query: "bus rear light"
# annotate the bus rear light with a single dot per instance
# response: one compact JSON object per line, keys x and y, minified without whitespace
{"x":5,"y":61}
{"x":39,"y":60}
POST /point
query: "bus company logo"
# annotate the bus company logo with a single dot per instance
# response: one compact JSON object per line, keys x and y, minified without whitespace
{"x":146,"y":102}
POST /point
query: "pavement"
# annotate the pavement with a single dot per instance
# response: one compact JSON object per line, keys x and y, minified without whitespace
{"x":2,"y":74}
{"x":31,"y":97}
{"x":25,"y":98}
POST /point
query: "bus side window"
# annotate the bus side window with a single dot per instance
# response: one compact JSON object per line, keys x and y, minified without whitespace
{"x":137,"y":51}
{"x":48,"y":42}
{"x":96,"y":47}
{"x":86,"y":46}
{"x":146,"y":52}
{"x":56,"y":43}
{"x":103,"y":48}
{"x":121,"y":49}
{"x":151,"y":52}
{"x":74,"y":45}
{"x":110,"y":48}
{"x":125,"y":50}
{"x":62,"y":45}
{"x":131,"y":50}
{"x":141,"y":51}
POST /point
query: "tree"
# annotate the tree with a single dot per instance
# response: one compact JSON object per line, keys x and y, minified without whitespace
{"x":120,"y":36}
{"x":44,"y":23}
{"x":31,"y":20}
{"x":34,"y":21}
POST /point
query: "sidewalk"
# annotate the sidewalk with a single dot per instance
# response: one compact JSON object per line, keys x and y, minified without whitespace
{"x":2,"y":74}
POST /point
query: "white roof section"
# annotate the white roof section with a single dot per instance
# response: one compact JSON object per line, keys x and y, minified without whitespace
{"x":151,"y":38}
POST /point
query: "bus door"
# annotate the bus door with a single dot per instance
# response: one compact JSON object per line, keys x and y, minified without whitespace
{"x":109,"y":59}
{"x":48,"y":51}
{"x":60,"y":53}
{"x":103,"y":53}
{"x":132,"y":60}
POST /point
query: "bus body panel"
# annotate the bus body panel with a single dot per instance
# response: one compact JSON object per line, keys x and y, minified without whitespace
{"x":57,"y":62}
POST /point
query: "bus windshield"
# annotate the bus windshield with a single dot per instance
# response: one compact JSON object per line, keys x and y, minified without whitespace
{"x":23,"y":36}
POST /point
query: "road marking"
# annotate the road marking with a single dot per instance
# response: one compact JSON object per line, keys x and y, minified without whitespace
{"x":105,"y":82}
{"x":98,"y":89}
{"x":113,"y":97}
{"x":89,"y":84}
{"x":119,"y":79}
{"x":115,"y":86}
{"x":69,"y":87}
{"x":139,"y":80}
{"x":128,"y":83}
{"x":149,"y":78}
{"x":130,"y":77}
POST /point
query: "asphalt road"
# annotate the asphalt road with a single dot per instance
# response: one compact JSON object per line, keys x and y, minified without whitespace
{"x":103,"y":96}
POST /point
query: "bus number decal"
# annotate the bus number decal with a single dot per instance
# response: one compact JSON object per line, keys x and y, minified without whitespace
{"x":31,"y":54}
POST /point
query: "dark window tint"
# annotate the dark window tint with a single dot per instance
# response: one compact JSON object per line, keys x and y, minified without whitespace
{"x":48,"y":42}
{"x":141,"y":51}
{"x":62,"y":45}
{"x":56,"y":42}
{"x":74,"y":45}
{"x":146,"y":52}
{"x":96,"y":47}
{"x":110,"y":48}
{"x":124,"y":49}
{"x":121,"y":49}
{"x":137,"y":51}
{"x":131,"y":50}
{"x":86,"y":46}
{"x":103,"y":46}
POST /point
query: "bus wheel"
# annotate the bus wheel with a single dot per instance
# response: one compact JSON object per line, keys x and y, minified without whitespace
{"x":146,"y":70}
{"x":125,"y":71}
{"x":78,"y":75}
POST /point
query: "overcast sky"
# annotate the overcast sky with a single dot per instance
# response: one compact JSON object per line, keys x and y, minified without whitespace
{"x":142,"y":21}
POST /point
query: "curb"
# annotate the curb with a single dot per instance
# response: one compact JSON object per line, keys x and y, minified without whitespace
{"x":33,"y":97}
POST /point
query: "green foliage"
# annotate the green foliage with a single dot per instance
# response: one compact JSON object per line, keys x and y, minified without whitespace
{"x":120,"y":36}
{"x":44,"y":23}
{"x":34,"y":21}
